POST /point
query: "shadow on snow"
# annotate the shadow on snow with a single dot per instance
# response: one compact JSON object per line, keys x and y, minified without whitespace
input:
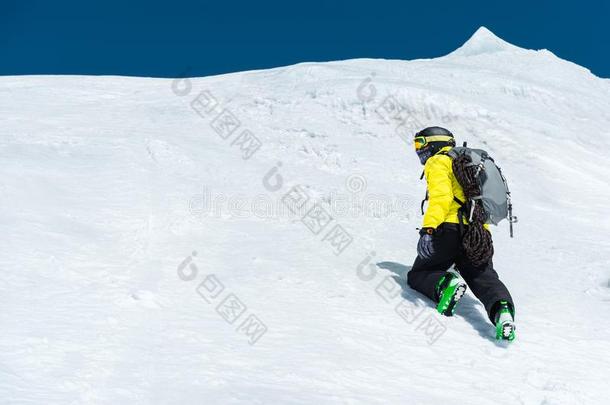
{"x":469,"y":308}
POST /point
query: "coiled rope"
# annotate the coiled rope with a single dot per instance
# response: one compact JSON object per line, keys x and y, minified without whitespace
{"x":476,"y":240}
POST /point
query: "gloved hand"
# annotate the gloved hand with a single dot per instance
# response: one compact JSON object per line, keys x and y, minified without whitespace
{"x":425,"y":246}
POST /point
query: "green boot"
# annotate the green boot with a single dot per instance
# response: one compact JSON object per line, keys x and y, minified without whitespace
{"x":450,"y":289}
{"x":505,"y":324}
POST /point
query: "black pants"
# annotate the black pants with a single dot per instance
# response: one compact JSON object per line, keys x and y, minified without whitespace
{"x":483,"y":280}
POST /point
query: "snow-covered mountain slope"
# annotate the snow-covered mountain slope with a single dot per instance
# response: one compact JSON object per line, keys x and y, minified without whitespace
{"x":150,"y":253}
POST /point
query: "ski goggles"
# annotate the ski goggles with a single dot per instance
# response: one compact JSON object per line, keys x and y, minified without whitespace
{"x":421,"y":141}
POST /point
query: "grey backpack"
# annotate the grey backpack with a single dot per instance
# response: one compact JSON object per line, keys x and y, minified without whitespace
{"x":484,"y":185}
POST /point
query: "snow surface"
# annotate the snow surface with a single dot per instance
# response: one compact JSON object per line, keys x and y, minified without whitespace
{"x":484,"y":41}
{"x":105,"y":191}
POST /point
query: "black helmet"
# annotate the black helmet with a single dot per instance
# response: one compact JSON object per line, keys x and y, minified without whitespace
{"x":430,"y":140}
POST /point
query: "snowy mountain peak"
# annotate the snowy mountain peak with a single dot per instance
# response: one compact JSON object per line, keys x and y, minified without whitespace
{"x":483,"y":41}
{"x":150,"y":227}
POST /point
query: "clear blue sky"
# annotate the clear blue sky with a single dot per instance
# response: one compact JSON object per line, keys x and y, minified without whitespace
{"x":151,"y":38}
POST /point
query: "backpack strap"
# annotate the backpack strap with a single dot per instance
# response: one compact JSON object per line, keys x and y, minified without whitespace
{"x":423,"y":202}
{"x":426,"y":197}
{"x":460,"y":215}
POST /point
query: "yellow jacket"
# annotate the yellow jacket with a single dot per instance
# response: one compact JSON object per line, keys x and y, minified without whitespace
{"x":442,"y":187}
